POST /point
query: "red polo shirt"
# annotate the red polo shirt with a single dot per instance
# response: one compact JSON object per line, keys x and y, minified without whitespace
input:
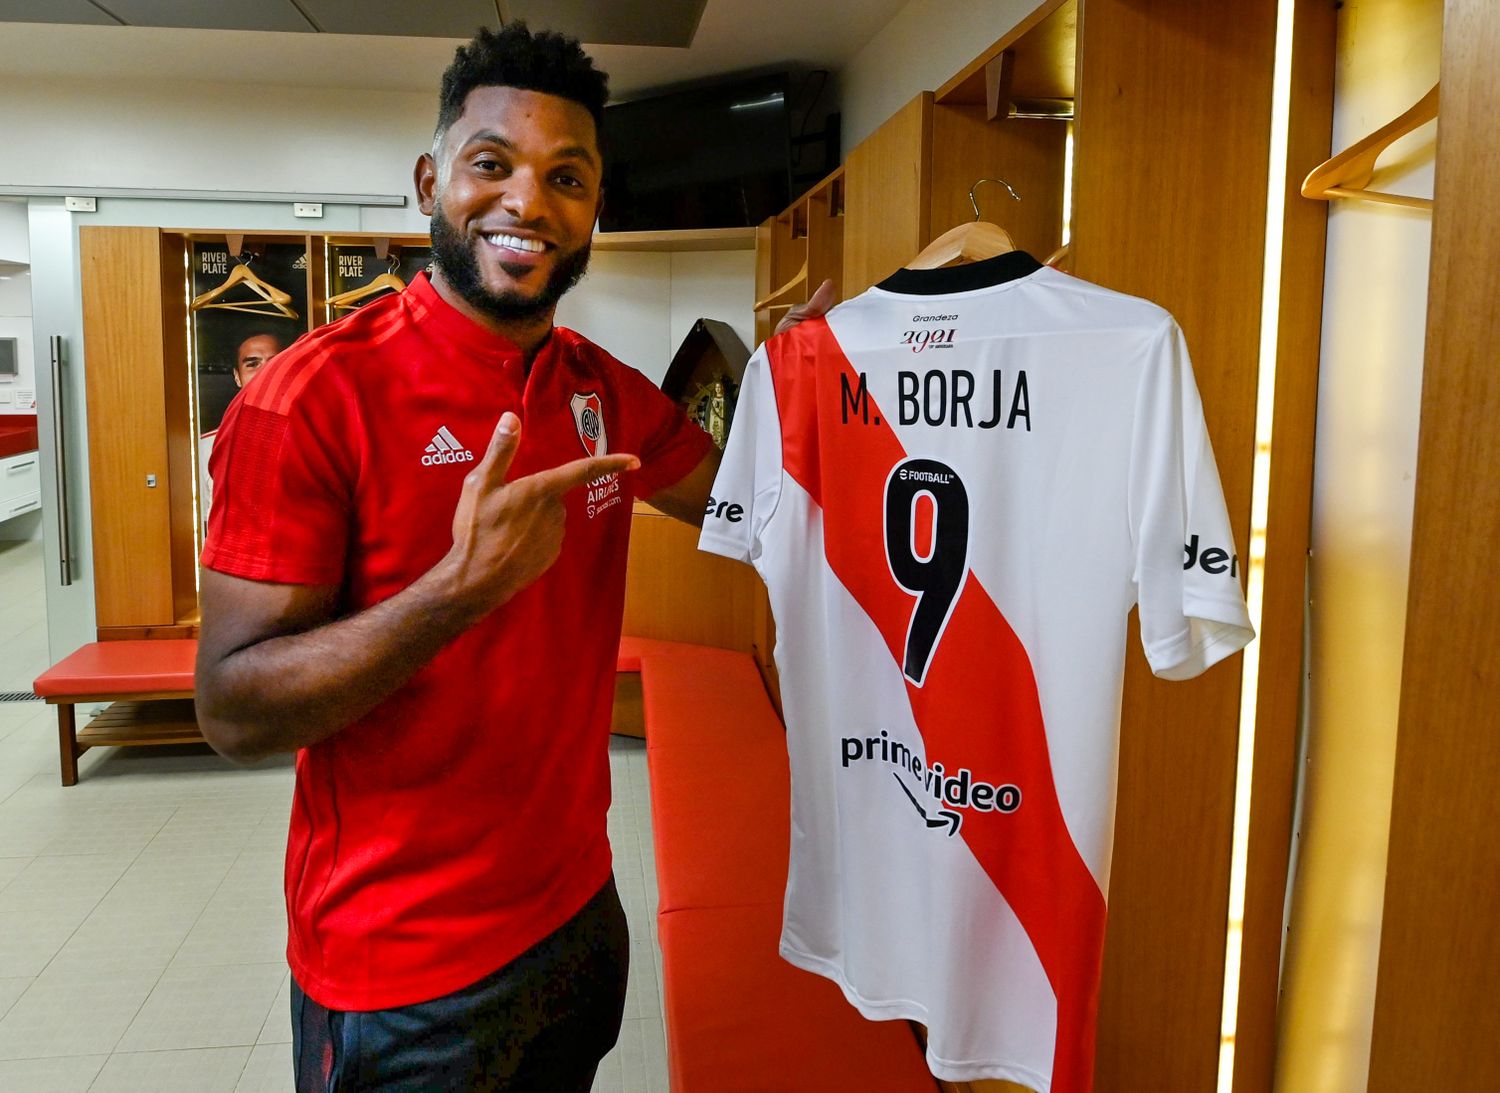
{"x":463,"y":819}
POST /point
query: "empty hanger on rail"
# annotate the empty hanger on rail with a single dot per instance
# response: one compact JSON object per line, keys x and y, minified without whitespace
{"x":1348,"y":173}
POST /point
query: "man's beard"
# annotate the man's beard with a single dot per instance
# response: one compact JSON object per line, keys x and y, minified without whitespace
{"x":453,"y":255}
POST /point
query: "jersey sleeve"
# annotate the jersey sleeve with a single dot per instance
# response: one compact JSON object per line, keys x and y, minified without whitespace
{"x":283,"y":494}
{"x":748,"y":486}
{"x":1187,"y":570}
{"x":671,"y":445}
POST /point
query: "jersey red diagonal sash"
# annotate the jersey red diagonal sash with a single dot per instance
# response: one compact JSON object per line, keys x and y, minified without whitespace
{"x":1029,"y":853}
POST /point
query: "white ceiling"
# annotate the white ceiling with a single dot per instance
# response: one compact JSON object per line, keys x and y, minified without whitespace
{"x":636,"y":22}
{"x":733,"y":35}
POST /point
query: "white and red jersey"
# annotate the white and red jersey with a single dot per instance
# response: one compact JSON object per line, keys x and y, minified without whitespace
{"x":956,"y":487}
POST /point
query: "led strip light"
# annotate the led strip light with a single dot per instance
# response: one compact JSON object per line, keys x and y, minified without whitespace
{"x":1270,"y":316}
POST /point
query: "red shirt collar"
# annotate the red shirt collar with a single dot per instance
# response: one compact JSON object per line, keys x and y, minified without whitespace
{"x":441,"y":318}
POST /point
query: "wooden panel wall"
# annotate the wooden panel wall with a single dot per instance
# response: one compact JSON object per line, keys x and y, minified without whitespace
{"x":1294,"y":426}
{"x":676,"y":592}
{"x":1028,"y":154}
{"x":764,"y":233}
{"x":1436,"y":1018}
{"x":122,"y":333}
{"x":1169,"y":204}
{"x":825,"y":239}
{"x":887,"y":206}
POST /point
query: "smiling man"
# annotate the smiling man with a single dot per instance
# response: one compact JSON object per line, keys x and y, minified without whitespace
{"x":388,"y":592}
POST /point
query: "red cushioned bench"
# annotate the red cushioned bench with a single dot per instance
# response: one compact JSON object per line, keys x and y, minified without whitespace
{"x":149,"y":685}
{"x":739,"y":1018}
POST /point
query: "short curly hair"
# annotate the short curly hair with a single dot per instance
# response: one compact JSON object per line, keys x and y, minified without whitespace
{"x":513,"y":56}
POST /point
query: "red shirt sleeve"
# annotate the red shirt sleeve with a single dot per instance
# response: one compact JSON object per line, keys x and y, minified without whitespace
{"x":284,"y":470}
{"x":670,"y":444}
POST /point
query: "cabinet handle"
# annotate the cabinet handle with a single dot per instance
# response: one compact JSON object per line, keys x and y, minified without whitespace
{"x":64,"y":537}
{"x":22,"y":508}
{"x":14,"y":467}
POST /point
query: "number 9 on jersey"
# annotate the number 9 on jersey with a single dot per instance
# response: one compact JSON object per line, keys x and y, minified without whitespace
{"x":927,"y":546}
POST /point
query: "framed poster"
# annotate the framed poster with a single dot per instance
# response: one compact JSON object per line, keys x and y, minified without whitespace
{"x":244,"y":311}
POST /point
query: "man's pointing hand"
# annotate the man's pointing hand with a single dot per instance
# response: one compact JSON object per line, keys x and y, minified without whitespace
{"x":507,"y":534}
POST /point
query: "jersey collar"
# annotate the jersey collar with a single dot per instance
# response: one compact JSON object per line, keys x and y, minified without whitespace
{"x":1011,"y":266}
{"x":438,"y":315}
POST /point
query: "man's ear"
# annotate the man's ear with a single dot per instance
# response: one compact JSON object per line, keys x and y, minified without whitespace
{"x":599,"y":205}
{"x":424,"y":176}
{"x":237,"y":381}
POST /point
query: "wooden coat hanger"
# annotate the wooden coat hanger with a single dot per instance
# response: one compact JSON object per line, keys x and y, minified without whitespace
{"x":273,"y":301}
{"x":972,"y":242}
{"x":1348,"y":173}
{"x":386,"y":282}
{"x":779,"y":297}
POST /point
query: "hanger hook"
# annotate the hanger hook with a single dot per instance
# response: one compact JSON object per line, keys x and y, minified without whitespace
{"x":975,"y":204}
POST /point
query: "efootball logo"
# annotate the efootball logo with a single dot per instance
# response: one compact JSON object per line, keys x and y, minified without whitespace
{"x":588,"y":415}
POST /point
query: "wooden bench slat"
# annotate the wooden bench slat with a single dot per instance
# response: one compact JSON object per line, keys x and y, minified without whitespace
{"x":135,"y":723}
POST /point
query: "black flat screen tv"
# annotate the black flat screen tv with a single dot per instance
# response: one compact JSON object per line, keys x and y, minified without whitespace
{"x":708,"y":157}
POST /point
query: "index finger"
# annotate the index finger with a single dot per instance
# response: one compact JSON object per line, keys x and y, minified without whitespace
{"x":569,"y":476}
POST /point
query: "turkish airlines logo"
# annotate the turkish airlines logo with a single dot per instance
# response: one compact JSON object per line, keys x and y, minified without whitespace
{"x":588,"y":415}
{"x":445,"y":448}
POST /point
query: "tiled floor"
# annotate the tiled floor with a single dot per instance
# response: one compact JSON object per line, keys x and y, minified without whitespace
{"x":141,"y":918}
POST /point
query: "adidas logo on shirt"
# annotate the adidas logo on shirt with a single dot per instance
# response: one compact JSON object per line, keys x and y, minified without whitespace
{"x":445,"y":448}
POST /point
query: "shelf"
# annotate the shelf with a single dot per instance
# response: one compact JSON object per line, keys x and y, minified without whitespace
{"x":695,"y":239}
{"x":698,"y":239}
{"x":1045,"y":48}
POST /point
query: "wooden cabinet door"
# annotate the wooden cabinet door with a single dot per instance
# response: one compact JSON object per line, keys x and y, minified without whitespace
{"x":127,"y":429}
{"x":676,"y":592}
{"x":1155,"y":126}
{"x":1028,"y":154}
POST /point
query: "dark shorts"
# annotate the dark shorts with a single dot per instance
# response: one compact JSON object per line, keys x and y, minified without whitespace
{"x":541,"y":1023}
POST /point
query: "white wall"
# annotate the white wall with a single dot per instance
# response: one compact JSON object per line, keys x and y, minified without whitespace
{"x":15,"y":244}
{"x":205,"y":136}
{"x":713,"y":285}
{"x":304,"y":140}
{"x":925,"y":44}
{"x":624,"y":304}
{"x":1369,"y":398}
{"x":640,"y":306}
